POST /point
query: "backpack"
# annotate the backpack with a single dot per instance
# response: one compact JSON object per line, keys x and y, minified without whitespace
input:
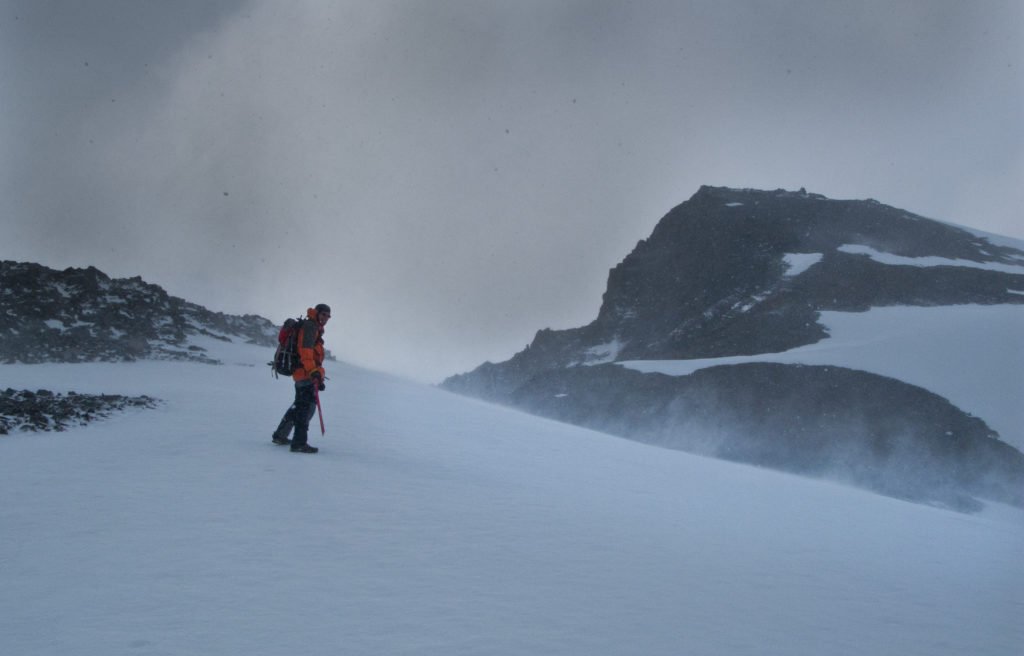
{"x":286,"y":357}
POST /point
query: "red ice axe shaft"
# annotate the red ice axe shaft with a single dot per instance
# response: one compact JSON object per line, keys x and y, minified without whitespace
{"x":319,"y":410}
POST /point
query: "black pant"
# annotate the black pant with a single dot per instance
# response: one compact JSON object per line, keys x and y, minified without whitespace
{"x":299,"y":414}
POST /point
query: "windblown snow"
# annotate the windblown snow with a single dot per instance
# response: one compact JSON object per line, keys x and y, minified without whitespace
{"x":435,"y":524}
{"x":972,"y":355}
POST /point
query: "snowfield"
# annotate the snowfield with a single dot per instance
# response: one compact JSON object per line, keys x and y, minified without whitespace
{"x":435,"y":524}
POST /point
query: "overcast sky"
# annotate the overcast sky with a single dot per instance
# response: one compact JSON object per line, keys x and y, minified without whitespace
{"x":453,"y":175}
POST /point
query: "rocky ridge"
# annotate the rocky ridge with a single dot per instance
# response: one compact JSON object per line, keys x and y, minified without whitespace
{"x":83,"y":315}
{"x":715,"y":278}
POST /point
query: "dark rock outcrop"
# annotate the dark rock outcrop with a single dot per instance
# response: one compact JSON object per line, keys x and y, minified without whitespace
{"x":43,"y":410}
{"x":82,"y":315}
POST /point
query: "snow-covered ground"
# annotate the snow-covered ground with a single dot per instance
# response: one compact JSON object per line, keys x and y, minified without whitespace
{"x":973,"y":355}
{"x":435,"y":524}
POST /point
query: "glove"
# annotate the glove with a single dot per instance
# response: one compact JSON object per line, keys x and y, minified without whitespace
{"x":318,"y":380}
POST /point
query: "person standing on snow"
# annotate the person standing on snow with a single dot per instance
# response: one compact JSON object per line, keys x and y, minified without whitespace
{"x":310,"y":347}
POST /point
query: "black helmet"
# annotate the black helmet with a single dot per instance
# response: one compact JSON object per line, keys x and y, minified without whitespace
{"x":323,"y":307}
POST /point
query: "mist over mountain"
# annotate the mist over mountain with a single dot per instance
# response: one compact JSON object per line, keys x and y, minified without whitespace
{"x":740,"y":272}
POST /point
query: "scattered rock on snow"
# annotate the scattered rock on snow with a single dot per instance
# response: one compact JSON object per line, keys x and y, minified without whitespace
{"x":43,"y":410}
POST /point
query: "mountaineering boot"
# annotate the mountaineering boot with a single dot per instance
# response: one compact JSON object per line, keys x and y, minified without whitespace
{"x":280,"y":435}
{"x":303,"y":448}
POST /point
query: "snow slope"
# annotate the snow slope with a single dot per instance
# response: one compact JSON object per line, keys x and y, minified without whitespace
{"x":973,"y":355}
{"x":434,"y":524}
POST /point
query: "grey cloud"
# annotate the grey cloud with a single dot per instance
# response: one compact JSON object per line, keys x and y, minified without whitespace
{"x":452,"y":176}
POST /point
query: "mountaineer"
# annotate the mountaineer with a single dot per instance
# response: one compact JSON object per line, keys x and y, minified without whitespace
{"x":309,"y":380}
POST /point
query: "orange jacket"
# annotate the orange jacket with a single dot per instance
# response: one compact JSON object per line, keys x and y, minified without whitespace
{"x":311,"y":348}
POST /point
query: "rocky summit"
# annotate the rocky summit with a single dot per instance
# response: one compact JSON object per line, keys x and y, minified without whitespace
{"x":741,"y":272}
{"x":82,"y":315}
{"x":718,"y":277}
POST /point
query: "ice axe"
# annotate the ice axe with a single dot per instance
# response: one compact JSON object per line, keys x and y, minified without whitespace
{"x":319,"y":410}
